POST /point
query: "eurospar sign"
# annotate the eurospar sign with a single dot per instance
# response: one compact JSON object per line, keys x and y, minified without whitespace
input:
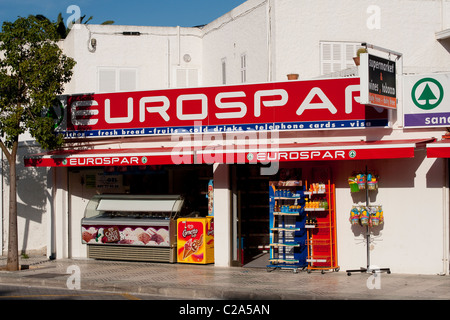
{"x":280,"y":106}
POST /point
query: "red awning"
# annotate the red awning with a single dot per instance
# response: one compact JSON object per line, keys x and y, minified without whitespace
{"x":439,"y":149}
{"x":110,"y":157}
{"x":355,"y":150}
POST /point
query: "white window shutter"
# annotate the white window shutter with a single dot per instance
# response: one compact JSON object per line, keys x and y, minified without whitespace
{"x":192,"y":77}
{"x":127,"y":79}
{"x":186,"y":78}
{"x":181,"y":78}
{"x":107,"y":80}
{"x":336,"y":56}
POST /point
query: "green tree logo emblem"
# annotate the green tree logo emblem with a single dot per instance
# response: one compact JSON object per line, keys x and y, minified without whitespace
{"x":56,"y":112}
{"x":427,"y":93}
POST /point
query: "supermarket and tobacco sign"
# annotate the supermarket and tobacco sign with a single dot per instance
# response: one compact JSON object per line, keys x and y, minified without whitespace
{"x":378,"y":81}
{"x":277,"y":106}
{"x":426,"y":100}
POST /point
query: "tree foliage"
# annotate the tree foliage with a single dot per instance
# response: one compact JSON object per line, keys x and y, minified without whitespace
{"x":33,"y":72}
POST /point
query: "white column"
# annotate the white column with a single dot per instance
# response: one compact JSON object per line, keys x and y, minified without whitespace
{"x":60,"y":214}
{"x":50,"y":187}
{"x":222,"y":215}
{"x":446,"y":221}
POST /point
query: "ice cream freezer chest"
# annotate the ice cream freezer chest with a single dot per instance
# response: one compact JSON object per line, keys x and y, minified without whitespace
{"x":126,"y":227}
{"x":195,"y":240}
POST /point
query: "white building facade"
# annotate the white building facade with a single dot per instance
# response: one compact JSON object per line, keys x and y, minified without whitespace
{"x":263,"y":41}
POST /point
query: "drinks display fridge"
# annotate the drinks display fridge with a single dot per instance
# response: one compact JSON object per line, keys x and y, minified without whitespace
{"x":132,"y":227}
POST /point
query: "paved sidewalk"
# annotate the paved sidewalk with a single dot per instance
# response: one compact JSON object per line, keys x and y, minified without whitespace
{"x":185,"y":281}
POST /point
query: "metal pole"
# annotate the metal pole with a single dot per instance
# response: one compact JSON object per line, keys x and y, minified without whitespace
{"x":371,"y":46}
{"x":367,"y":227}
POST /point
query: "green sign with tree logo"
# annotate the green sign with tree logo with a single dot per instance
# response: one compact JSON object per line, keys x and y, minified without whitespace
{"x":425,"y":102}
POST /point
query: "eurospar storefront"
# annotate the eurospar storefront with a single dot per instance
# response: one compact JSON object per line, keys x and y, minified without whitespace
{"x":213,"y":152}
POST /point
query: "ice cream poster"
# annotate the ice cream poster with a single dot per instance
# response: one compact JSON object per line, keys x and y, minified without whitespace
{"x":126,"y":235}
{"x":195,"y":240}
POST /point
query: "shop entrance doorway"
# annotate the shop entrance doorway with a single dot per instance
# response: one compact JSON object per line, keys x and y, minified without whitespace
{"x":251,"y":215}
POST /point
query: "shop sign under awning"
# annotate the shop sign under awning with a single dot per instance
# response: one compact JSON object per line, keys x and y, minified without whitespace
{"x":355,"y":150}
{"x":110,"y":157}
{"x":229,"y":154}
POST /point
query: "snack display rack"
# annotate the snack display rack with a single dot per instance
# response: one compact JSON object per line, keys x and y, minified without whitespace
{"x":287,"y":225}
{"x":321,"y":225}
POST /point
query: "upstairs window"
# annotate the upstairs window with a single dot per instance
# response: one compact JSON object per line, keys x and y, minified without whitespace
{"x":187,"y":78}
{"x":117,"y":79}
{"x":243,"y":68}
{"x":224,"y":71}
{"x":337,"y":56}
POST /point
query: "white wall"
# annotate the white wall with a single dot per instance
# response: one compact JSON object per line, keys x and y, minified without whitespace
{"x":241,"y":31}
{"x":282,"y":37}
{"x":33,"y":198}
{"x":278,"y":37}
{"x":412,"y":194}
{"x":155,"y":54}
{"x":406,"y":26}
